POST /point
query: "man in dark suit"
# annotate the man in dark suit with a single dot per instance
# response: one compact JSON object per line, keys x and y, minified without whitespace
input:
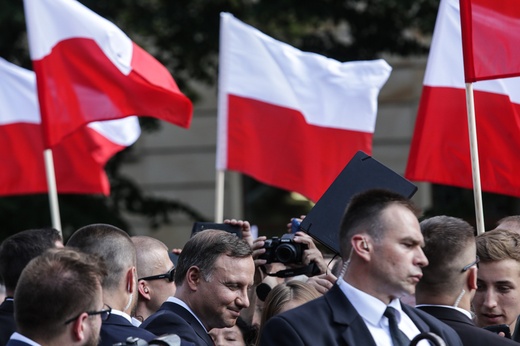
{"x":15,"y":252}
{"x":116,"y":249}
{"x":59,"y":300}
{"x":449,"y":281}
{"x":213,"y":275}
{"x":380,"y":242}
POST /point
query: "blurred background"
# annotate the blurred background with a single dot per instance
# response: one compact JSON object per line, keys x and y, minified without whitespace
{"x":166,"y":181}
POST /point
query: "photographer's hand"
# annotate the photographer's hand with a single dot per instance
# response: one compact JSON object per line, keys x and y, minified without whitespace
{"x":245,"y":228}
{"x":322,"y":283}
{"x":312,"y":253}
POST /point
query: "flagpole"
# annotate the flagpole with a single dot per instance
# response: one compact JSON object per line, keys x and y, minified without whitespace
{"x":53,"y":191}
{"x":475,"y":167}
{"x":219,"y":196}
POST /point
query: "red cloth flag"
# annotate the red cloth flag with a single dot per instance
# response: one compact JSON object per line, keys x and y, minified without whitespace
{"x":440,"y":150}
{"x":289,"y":118}
{"x":88,"y":70}
{"x":490,"y":38}
{"x":79,"y":159}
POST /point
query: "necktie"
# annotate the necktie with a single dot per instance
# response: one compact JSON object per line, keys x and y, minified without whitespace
{"x":398,"y":337}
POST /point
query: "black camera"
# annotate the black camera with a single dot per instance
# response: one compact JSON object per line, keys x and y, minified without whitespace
{"x":283,"y":250}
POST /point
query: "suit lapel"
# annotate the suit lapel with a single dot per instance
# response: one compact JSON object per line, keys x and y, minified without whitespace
{"x":355,"y":331}
{"x":419,"y":323}
{"x":193,"y":322}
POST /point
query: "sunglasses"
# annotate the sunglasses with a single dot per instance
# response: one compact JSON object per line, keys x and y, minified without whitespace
{"x":170,"y":276}
{"x":104,"y":313}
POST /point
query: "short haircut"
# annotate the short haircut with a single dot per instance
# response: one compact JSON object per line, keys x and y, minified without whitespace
{"x":363,"y":214}
{"x":111,"y":244}
{"x":20,"y":248}
{"x":203,"y":250}
{"x":498,"y":245}
{"x":148,"y":254}
{"x":446,"y":238}
{"x":512,"y":220}
{"x":54,"y":287}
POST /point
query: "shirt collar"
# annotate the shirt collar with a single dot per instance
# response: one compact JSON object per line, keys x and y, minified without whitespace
{"x":465,"y":312}
{"x":20,"y":337}
{"x":368,"y":307}
{"x":121,"y":313}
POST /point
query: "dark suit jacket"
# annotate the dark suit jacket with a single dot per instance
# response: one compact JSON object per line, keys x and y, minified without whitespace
{"x":332,"y":320}
{"x":172,"y":318}
{"x":16,"y":343}
{"x":118,"y":329}
{"x":7,"y":326}
{"x":468,"y":332}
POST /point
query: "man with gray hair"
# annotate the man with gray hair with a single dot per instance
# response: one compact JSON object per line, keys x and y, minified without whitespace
{"x":213,"y":275}
{"x":116,"y":249}
{"x":449,"y":281}
{"x":155,"y":272}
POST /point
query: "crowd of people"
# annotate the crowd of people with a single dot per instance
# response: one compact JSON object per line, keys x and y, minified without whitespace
{"x":396,"y":282}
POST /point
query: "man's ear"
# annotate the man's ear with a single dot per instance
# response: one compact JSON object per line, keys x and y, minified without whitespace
{"x":79,"y":326}
{"x":193,"y":277}
{"x":472,"y":278}
{"x":361,"y":245}
{"x":143,"y":289}
{"x":131,"y":278}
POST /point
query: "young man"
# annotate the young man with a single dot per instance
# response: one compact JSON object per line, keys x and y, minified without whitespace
{"x":449,"y":282}
{"x":59,"y":300}
{"x":497,"y":300}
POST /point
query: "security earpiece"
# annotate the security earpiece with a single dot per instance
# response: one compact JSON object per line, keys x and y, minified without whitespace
{"x":365,"y":245}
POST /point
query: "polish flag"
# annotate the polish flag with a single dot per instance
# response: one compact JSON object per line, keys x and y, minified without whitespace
{"x":288,"y":118}
{"x":490,"y":38}
{"x":88,"y":70}
{"x":440,"y":151}
{"x":79,"y":159}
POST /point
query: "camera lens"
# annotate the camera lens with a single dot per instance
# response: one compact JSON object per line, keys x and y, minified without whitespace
{"x":286,"y":253}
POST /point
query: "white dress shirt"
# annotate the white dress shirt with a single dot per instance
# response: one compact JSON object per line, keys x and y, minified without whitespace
{"x":372,"y":309}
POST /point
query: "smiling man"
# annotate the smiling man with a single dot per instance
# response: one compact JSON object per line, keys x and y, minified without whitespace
{"x":380,"y":242}
{"x":213,"y":275}
{"x":497,"y":300}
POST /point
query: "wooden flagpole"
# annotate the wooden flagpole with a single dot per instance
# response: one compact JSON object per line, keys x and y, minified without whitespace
{"x":219,"y":196}
{"x":53,"y":191}
{"x":475,"y":167}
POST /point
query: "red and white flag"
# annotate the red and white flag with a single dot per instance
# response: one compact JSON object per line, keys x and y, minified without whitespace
{"x":440,"y":151}
{"x":79,"y":159}
{"x":88,"y":70}
{"x":289,"y":118}
{"x":490,"y":38}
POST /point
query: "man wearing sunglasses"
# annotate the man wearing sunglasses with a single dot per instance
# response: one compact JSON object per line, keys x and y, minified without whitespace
{"x":449,"y":281}
{"x":48,"y":311}
{"x":155,"y":272}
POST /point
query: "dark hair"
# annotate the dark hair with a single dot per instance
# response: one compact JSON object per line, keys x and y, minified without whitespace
{"x":56,"y":286}
{"x":111,"y":244}
{"x":446,"y":239}
{"x":203,"y":250}
{"x":363,"y":214}
{"x":20,"y":248}
{"x":249,"y":332}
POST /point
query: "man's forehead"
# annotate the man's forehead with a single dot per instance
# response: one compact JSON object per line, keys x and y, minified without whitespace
{"x":496,"y":271}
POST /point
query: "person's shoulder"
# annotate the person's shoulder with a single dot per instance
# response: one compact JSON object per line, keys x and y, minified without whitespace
{"x":436,"y":326}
